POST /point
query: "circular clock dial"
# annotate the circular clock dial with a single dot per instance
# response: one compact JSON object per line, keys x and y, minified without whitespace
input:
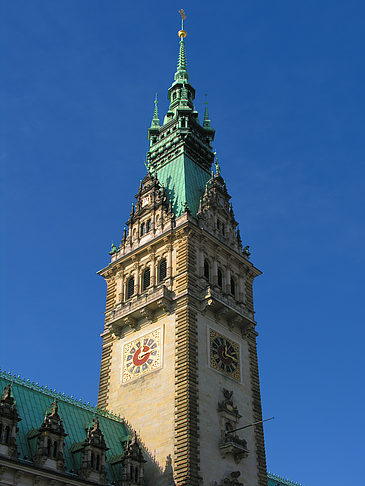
{"x":141,"y":356}
{"x":224,"y":354}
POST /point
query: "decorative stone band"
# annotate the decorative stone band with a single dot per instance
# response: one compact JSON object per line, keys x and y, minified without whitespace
{"x":257,"y":411}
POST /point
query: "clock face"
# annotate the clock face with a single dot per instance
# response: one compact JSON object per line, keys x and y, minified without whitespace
{"x":224,"y":355}
{"x":141,"y":356}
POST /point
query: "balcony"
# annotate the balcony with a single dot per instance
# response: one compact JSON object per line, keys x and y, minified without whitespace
{"x":140,"y":306}
{"x":225,"y":306}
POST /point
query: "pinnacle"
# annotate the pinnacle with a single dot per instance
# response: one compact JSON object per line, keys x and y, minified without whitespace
{"x":206,"y":121}
{"x":155,"y":119}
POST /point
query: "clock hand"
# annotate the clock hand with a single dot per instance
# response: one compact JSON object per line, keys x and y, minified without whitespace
{"x":230,"y":356}
{"x":143,"y":354}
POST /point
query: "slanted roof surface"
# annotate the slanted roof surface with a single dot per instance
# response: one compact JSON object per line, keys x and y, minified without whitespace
{"x":33,"y":401}
{"x":185,"y":182}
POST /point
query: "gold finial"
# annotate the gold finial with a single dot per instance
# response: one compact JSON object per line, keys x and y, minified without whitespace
{"x":182,"y":32}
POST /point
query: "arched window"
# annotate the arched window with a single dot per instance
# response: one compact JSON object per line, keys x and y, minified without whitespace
{"x":92,"y":459}
{"x":220,"y":278}
{"x":146,"y":278}
{"x":206,"y":269}
{"x":162,"y":270}
{"x":142,"y":230}
{"x":233,"y":286}
{"x":130,"y":287}
{"x":97,"y":462}
{"x":54,"y":453}
{"x":148,"y":225}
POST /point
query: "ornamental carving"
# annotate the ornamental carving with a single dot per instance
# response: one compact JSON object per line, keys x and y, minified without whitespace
{"x":230,"y":443}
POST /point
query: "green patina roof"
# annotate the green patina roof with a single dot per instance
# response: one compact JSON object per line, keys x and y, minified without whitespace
{"x":33,"y":401}
{"x":274,"y":480}
{"x":185,"y":182}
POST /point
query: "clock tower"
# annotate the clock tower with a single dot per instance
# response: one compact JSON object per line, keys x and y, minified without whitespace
{"x":179,"y":357}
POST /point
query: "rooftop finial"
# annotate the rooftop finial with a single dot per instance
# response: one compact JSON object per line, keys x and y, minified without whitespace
{"x":182,"y":33}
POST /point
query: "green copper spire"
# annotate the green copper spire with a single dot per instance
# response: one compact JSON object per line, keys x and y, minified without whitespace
{"x":155,"y":119}
{"x":182,"y":73}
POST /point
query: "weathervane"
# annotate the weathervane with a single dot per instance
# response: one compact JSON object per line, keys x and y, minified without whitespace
{"x":182,"y":32}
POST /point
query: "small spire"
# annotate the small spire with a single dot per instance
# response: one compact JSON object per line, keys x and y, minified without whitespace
{"x":155,"y":119}
{"x":206,"y":121}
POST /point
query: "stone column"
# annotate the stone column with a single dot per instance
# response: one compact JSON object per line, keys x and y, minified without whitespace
{"x":201,"y":262}
{"x":241,"y":289}
{"x":153,"y":269}
{"x":136,"y":278}
{"x":215,"y":271}
{"x":228,"y":280}
{"x":120,"y":286}
{"x":169,"y":260}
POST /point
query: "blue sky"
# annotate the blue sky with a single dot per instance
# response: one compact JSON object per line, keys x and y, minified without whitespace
{"x":285,"y":85}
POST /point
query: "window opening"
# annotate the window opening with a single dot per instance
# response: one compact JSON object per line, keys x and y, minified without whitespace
{"x":220,"y":278}
{"x":142,"y":229}
{"x":148,"y":226}
{"x":130,"y":287}
{"x":163,"y":270}
{"x":54,"y":449}
{"x":48,"y":447}
{"x":146,"y":278}
{"x":206,"y":269}
{"x":233,"y":287}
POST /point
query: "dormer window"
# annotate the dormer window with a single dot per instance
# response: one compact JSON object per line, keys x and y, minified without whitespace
{"x":174,"y":96}
{"x":148,"y":225}
{"x":142,"y":231}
